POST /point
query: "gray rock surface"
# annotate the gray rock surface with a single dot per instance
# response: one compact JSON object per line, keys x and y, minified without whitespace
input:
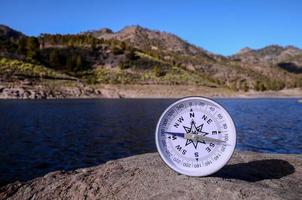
{"x":247,"y":176}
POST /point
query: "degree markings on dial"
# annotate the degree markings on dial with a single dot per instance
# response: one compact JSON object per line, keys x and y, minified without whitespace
{"x":192,"y":115}
{"x":220,"y":127}
{"x":212,"y":109}
{"x":180,"y":159}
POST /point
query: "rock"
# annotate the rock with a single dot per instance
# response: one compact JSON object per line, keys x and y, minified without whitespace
{"x":89,"y":91}
{"x":72,"y":91}
{"x":26,"y":82}
{"x":19,"y":92}
{"x":31,"y":94}
{"x":1,"y":88}
{"x":247,"y":176}
{"x":98,"y":92}
{"x":109,"y":92}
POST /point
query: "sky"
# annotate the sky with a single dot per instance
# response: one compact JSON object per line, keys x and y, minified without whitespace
{"x":222,"y":27}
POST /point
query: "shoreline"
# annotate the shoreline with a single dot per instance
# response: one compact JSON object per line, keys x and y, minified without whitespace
{"x":247,"y":175}
{"x":81,"y":91}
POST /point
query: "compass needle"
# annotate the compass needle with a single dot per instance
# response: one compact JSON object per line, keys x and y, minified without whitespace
{"x":175,"y":134}
{"x":199,"y":136}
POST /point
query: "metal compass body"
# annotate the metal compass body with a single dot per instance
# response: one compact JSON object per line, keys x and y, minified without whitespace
{"x":195,"y":136}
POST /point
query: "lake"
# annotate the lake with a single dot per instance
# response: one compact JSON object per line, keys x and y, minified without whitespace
{"x":40,"y":136}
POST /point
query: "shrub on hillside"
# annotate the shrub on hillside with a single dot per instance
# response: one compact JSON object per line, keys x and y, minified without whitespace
{"x":117,"y":50}
{"x":157,"y":71}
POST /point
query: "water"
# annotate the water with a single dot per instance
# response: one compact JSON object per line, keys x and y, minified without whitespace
{"x":37,"y":137}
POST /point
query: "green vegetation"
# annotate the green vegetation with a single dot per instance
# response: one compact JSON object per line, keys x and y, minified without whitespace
{"x":259,"y":86}
{"x":117,"y":50}
{"x":29,"y":47}
{"x":11,"y":67}
{"x":269,"y":85}
{"x":158,"y":72}
{"x":131,"y":55}
{"x":111,"y":76}
{"x":67,"y":60}
{"x":55,"y":59}
{"x":124,"y":65}
{"x":244,"y":86}
{"x":32,"y":47}
{"x":93,"y":61}
{"x":68,"y":40}
{"x":172,"y":75}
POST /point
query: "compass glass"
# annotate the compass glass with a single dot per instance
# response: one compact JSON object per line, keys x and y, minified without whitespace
{"x":195,"y":136}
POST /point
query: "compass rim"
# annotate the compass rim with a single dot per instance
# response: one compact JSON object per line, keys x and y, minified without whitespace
{"x":187,"y":172}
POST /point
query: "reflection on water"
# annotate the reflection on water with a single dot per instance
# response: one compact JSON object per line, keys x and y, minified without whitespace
{"x":42,"y":136}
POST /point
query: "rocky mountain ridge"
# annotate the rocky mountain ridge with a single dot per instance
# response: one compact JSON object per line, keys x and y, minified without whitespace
{"x":272,"y":54}
{"x":137,"y":55}
{"x":147,"y":39}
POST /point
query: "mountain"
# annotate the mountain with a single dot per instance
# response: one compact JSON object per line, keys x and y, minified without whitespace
{"x":223,"y":70}
{"x":170,"y":48}
{"x":162,"y":45}
{"x":288,"y":58}
{"x":146,"y":39}
{"x":137,"y":55}
{"x":8,"y":39}
{"x":270,"y":55}
{"x":9,"y":33}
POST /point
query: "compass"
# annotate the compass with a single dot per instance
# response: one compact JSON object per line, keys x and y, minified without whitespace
{"x":195,"y":136}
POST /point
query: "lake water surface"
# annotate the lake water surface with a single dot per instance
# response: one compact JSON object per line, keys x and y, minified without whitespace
{"x":40,"y":136}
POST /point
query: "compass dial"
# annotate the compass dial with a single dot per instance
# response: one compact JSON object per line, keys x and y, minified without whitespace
{"x":195,"y":136}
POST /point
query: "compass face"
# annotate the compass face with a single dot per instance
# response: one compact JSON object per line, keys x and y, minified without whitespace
{"x":195,"y":136}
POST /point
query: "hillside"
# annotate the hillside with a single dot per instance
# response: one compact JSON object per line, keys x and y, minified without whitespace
{"x":240,"y":71}
{"x":147,"y":40}
{"x":137,"y":55}
{"x":288,"y":58}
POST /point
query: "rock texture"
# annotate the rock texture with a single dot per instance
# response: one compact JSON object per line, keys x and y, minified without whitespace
{"x":22,"y":91}
{"x":36,"y":91}
{"x":247,"y":176}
